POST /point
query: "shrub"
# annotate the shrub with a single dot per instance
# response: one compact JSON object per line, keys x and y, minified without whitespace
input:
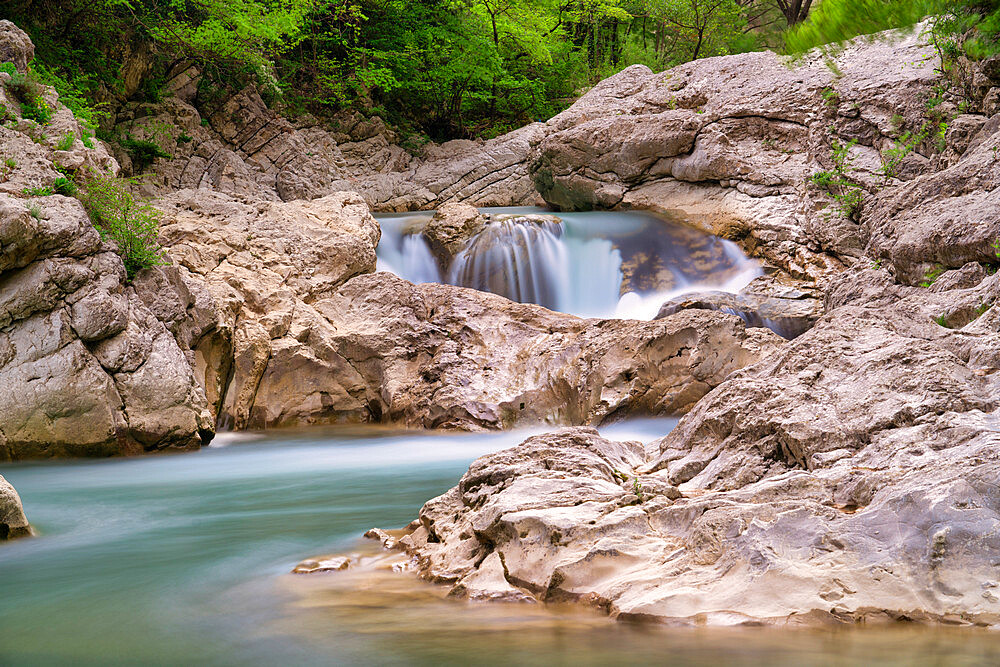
{"x":143,"y":152}
{"x":29,"y":93}
{"x":66,"y":143}
{"x":836,"y":182}
{"x":64,"y":186}
{"x":7,"y":168}
{"x":43,"y":191}
{"x":932,"y":275}
{"x":132,"y":223}
{"x":9,"y":68}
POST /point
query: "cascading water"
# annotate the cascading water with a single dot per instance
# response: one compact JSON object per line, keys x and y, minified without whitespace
{"x":593,"y":264}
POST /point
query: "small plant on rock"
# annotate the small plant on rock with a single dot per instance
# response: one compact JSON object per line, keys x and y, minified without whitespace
{"x":836,"y":182}
{"x":143,"y":153}
{"x":66,"y":142}
{"x":35,"y":211}
{"x":932,"y":275}
{"x":637,"y":489}
{"x":893,"y":157}
{"x":43,"y":191}
{"x":64,"y":186}
{"x":132,"y":223}
{"x":29,"y":93}
{"x":7,"y":168}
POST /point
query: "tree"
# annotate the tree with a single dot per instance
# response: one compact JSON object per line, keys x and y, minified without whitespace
{"x":699,"y":28}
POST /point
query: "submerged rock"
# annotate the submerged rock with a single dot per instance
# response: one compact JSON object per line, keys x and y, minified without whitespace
{"x":13,"y":523}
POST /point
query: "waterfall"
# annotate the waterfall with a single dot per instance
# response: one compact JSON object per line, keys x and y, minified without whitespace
{"x":406,"y":254}
{"x":518,"y":258}
{"x":578,"y":266}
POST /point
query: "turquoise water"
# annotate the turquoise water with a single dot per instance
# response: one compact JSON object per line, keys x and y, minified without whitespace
{"x":184,"y":560}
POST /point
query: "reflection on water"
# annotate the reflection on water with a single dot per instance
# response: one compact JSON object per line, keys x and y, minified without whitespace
{"x":184,"y":560}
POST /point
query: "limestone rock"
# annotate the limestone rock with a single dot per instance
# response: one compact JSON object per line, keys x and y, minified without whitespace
{"x":787,"y":317}
{"x":382,"y":349}
{"x":13,"y":523}
{"x":85,"y":368}
{"x":450,"y":229}
{"x":849,"y":476}
{"x":15,"y":46}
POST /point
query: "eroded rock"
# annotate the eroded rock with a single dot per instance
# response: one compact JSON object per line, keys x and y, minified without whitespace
{"x":13,"y":523}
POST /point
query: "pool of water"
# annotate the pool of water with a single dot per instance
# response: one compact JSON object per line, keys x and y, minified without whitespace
{"x":184,"y":559}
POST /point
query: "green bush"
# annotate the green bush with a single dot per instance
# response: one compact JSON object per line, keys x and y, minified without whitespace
{"x":29,"y":93}
{"x":9,"y":68}
{"x":64,"y":186}
{"x":66,"y":143}
{"x":143,"y":153}
{"x":837,"y":181}
{"x":132,"y":223}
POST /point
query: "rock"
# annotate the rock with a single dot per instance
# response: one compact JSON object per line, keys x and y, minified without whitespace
{"x":787,"y":317}
{"x":849,"y":476}
{"x":13,"y":523}
{"x":246,"y":278}
{"x":334,"y":564}
{"x":940,"y":220}
{"x":85,"y":368}
{"x":383,"y":350}
{"x":15,"y":46}
{"x":731,"y":142}
{"x":450,"y":229}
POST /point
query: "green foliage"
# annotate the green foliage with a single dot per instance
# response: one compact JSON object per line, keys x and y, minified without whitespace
{"x":7,"y":168}
{"x":43,"y":191}
{"x":942,"y":321}
{"x":28,"y":92}
{"x":638,"y":490}
{"x":830,"y":97}
{"x":893,"y":157}
{"x":834,"y":22}
{"x":64,"y":186}
{"x":133,"y":224}
{"x":8,"y":68}
{"x":837,"y":182}
{"x":932,"y":275}
{"x":66,"y":142}
{"x":143,"y":152}
{"x":982,"y":308}
{"x":35,"y":211}
{"x":87,"y":140}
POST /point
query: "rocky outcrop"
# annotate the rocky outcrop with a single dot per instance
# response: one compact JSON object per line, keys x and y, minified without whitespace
{"x":236,"y":145}
{"x":13,"y":523}
{"x":86,"y":369}
{"x":246,"y":278}
{"x":730,"y":143}
{"x":848,"y":476}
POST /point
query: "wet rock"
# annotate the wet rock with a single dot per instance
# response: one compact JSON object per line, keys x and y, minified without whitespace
{"x":848,"y":476}
{"x":332,"y":564}
{"x":13,"y":523}
{"x":450,"y":229}
{"x":786,"y":317}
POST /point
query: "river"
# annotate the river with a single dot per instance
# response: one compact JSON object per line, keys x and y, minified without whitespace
{"x":185,"y":559}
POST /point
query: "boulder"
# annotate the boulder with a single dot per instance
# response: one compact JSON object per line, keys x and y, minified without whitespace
{"x":450,"y":229}
{"x":13,"y":523}
{"x":15,"y":46}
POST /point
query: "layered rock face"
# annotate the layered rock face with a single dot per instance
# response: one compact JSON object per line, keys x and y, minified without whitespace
{"x":13,"y":523}
{"x":86,"y":369}
{"x":242,"y":148}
